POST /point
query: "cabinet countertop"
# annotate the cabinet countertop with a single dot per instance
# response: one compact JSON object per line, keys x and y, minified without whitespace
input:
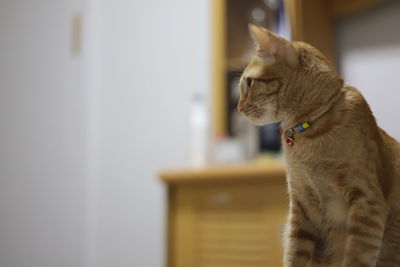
{"x":271,"y":169}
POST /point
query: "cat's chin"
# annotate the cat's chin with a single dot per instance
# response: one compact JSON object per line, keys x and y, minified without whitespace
{"x":262,"y":121}
{"x":267,"y":117}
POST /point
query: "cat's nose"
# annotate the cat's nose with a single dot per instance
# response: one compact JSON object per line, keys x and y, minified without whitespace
{"x":239,"y":108}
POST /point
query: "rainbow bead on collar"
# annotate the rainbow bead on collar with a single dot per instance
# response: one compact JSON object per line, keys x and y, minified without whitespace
{"x":291,"y":131}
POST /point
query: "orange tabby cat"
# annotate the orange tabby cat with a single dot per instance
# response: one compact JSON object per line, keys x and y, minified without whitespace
{"x":343,"y":171}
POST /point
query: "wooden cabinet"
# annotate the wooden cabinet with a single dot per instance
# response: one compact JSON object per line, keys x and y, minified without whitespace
{"x":226,"y":216}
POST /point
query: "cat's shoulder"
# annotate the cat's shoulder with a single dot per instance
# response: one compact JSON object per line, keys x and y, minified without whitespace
{"x":352,"y":95}
{"x":354,"y":101}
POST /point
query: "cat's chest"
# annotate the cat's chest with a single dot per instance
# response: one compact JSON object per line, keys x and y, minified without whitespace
{"x":309,"y":181}
{"x":336,"y":211}
{"x":323,"y":205}
{"x":332,"y":209}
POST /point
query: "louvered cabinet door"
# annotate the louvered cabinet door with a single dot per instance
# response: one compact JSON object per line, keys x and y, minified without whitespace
{"x":232,"y":224}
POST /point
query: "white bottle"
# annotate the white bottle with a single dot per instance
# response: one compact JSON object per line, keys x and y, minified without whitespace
{"x":199,"y":131}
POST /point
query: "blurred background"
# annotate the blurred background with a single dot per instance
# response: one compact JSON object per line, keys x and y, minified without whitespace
{"x":119,"y":143}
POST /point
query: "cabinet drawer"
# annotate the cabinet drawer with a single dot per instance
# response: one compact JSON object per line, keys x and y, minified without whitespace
{"x":226,"y":224}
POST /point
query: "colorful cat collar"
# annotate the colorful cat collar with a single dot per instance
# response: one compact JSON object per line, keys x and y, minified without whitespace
{"x":291,"y":131}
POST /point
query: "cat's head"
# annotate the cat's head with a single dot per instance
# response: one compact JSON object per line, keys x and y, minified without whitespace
{"x":284,"y":79}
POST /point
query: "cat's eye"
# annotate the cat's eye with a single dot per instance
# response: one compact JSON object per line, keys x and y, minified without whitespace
{"x":249,"y":82}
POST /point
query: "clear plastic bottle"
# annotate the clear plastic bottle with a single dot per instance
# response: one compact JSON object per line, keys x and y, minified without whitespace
{"x":199,"y":131}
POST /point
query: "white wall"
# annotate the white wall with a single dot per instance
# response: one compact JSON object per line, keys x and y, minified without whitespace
{"x":369,"y":52}
{"x":83,"y":138}
{"x":155,"y":55}
{"x":42,"y":136}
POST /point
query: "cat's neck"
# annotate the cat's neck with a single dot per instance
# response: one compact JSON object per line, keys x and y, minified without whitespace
{"x":311,"y":113}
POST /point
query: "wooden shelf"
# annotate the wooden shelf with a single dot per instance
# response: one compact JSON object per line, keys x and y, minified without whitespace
{"x":310,"y":21}
{"x":343,"y":8}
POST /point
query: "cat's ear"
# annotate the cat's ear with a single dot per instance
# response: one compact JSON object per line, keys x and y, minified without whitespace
{"x":265,"y":46}
{"x":271,"y":46}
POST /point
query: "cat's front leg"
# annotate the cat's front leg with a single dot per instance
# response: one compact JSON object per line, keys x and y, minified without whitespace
{"x":299,"y":237}
{"x":365,"y":224}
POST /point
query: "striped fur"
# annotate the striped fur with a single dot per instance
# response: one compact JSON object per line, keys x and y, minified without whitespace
{"x":343,"y":171}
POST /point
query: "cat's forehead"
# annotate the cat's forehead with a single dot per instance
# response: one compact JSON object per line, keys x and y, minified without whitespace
{"x":257,"y":67}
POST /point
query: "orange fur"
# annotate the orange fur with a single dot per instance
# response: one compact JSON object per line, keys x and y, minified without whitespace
{"x":343,"y":171}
